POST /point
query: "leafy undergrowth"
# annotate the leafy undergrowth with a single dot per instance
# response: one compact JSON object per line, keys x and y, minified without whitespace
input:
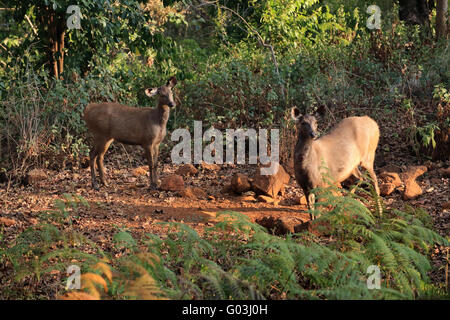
{"x":238,"y":259}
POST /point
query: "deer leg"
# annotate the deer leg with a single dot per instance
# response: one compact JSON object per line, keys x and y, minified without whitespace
{"x":92,"y":157}
{"x":357,"y":173}
{"x":310,"y":199}
{"x":149,"y":154}
{"x":155,"y":165}
{"x":101,"y":168}
{"x":374,"y":179}
{"x":368,"y":165}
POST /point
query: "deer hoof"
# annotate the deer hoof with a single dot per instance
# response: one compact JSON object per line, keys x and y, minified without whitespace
{"x":153,"y":186}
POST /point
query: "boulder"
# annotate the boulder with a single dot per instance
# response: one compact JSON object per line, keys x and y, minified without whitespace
{"x":209,"y":166}
{"x":193,"y":193}
{"x":270,"y":185}
{"x":266,"y":199}
{"x":227,"y":189}
{"x":390,"y":177}
{"x":412,"y":189}
{"x":240,"y":183}
{"x":186,"y":170}
{"x":173,"y":182}
{"x":247,"y":199}
{"x":301,"y":200}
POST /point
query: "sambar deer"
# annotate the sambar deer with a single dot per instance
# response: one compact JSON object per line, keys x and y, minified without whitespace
{"x":350,"y":144}
{"x":135,"y":126}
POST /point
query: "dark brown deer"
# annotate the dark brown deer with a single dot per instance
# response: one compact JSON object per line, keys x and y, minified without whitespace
{"x":136,"y":126}
{"x":335,"y":156}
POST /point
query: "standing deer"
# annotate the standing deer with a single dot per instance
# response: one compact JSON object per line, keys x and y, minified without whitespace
{"x":136,"y":126}
{"x":350,"y":144}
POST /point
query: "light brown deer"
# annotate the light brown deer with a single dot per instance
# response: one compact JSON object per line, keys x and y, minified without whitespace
{"x":350,"y":144}
{"x":136,"y":126}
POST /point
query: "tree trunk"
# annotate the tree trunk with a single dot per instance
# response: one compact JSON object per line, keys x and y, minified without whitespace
{"x":441,"y":18}
{"x":53,"y":33}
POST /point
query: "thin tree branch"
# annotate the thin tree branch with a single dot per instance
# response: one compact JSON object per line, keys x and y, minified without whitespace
{"x":31,"y":25}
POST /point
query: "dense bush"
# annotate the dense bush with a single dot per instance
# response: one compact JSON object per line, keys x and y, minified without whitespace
{"x":327,"y":60}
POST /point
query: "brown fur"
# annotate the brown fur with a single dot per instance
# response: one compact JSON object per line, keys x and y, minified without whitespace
{"x":350,"y":144}
{"x":136,"y":126}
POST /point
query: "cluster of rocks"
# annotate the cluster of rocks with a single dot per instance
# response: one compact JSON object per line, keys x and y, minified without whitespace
{"x":175,"y":182}
{"x":265,"y":187}
{"x":393,"y":178}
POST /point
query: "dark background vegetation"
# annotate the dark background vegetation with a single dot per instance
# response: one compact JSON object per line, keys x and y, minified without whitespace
{"x":239,"y":63}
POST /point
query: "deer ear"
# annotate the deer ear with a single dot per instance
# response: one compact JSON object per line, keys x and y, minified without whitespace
{"x":295,"y":113}
{"x":151,"y":92}
{"x":171,"y":82}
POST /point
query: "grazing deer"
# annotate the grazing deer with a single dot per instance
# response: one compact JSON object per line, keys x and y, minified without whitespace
{"x":136,"y":126}
{"x":350,"y":144}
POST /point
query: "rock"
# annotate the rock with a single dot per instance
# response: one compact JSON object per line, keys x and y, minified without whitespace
{"x":390,"y":177}
{"x":247,"y":199}
{"x":279,"y":226}
{"x":240,"y":183}
{"x":386,"y":188}
{"x":270,"y":185}
{"x":412,"y":189}
{"x":301,"y":200}
{"x":140,"y":171}
{"x":187,"y":193}
{"x":35,"y":176}
{"x":211,"y":167}
{"x":7,"y":222}
{"x":227,"y":189}
{"x":172,"y":182}
{"x":193,"y":193}
{"x":187,"y":170}
{"x":266,"y":199}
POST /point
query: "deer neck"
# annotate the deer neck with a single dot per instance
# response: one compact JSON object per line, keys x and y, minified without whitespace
{"x":304,"y":152}
{"x":163,"y":112}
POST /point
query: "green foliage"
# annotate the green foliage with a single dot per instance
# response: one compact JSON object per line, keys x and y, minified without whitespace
{"x":42,"y":119}
{"x":292,"y":24}
{"x":237,"y":259}
{"x":52,"y":244}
